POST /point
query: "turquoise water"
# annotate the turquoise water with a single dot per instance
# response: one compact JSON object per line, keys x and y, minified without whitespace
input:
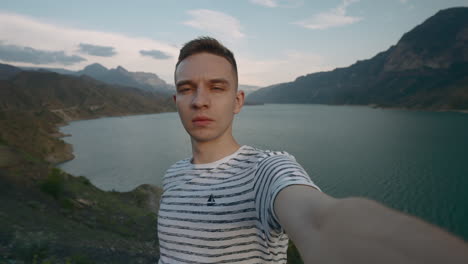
{"x":413,"y":161}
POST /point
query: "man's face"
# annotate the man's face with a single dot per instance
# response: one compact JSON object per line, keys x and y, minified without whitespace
{"x":206,"y":96}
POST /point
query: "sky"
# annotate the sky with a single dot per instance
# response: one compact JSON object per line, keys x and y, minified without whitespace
{"x":274,"y":41}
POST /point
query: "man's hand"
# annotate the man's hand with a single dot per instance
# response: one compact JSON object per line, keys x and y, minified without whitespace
{"x":358,"y":230}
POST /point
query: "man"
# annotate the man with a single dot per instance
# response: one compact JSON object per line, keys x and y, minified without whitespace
{"x":238,"y":204}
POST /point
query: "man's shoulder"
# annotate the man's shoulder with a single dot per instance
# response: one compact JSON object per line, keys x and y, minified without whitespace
{"x":257,"y":155}
{"x":274,"y":162}
{"x":179,"y":165}
{"x":276,"y":155}
{"x":265,"y":158}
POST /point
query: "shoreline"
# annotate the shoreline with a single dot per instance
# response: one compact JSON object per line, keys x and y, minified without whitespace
{"x":375,"y":106}
{"x":66,"y":154}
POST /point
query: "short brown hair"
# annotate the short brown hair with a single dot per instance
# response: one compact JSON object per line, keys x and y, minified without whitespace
{"x":208,"y":45}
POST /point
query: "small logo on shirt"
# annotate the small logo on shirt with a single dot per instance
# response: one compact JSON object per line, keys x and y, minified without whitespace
{"x":211,"y":201}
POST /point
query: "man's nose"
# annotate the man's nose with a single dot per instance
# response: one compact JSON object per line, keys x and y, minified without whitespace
{"x":201,"y":98}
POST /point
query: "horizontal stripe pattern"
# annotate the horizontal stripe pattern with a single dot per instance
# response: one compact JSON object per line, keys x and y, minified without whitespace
{"x":224,"y":213}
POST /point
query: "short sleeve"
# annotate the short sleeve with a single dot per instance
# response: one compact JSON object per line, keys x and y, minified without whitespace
{"x":273,"y":174}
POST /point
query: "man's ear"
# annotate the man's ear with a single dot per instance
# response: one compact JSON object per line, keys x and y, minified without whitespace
{"x":240,"y":97}
{"x":174,"y":98}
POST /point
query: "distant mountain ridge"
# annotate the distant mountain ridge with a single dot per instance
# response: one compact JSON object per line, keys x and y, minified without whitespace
{"x":74,"y":97}
{"x":143,"y":80}
{"x":8,"y":71}
{"x":427,"y":69}
{"x":120,"y":76}
{"x":248,"y":89}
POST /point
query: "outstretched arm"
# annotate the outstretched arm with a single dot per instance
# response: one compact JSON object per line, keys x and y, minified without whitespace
{"x":358,"y":230}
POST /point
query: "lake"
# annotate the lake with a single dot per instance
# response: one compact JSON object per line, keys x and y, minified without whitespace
{"x":414,"y":161}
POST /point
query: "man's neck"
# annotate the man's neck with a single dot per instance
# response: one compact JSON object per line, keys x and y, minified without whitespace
{"x":207,"y":152}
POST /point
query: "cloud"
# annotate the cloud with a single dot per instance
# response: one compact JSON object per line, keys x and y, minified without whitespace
{"x":23,"y":31}
{"x":335,"y":17}
{"x":278,"y":3}
{"x":267,"y":3}
{"x":286,"y":67}
{"x":15,"y":53}
{"x":95,"y":50}
{"x":216,"y":23}
{"x":155,"y":54}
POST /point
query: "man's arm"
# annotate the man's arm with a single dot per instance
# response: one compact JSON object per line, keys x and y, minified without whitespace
{"x":358,"y":230}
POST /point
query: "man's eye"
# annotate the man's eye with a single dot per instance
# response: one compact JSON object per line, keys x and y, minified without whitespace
{"x":181,"y":90}
{"x":217,"y":88}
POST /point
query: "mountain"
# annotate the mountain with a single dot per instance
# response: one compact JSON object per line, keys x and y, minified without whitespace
{"x":248,"y":89}
{"x":426,"y":69}
{"x":36,"y":90}
{"x":57,"y":70}
{"x":120,"y":76}
{"x":149,"y":79}
{"x":8,"y":71}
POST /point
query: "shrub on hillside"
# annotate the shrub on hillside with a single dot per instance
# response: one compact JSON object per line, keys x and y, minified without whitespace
{"x":54,"y":183}
{"x":31,"y":246}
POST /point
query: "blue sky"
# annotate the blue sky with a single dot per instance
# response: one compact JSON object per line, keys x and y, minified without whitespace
{"x":273,"y":40}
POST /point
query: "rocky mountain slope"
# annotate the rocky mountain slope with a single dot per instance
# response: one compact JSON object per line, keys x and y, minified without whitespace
{"x":120,"y":76}
{"x":8,"y":71}
{"x":426,"y":69}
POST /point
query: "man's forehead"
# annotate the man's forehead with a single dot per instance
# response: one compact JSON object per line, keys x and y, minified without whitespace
{"x":204,"y":65}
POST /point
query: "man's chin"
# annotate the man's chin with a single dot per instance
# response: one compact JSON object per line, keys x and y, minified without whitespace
{"x":202,"y":137}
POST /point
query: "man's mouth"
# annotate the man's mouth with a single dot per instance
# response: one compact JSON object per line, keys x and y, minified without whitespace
{"x":201,"y":121}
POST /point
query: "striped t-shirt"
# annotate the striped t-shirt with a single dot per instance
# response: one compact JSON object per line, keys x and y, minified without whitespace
{"x":222,"y":212}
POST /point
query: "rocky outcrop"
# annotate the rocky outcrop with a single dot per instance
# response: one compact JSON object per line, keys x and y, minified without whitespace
{"x":426,"y":69}
{"x":146,"y":81}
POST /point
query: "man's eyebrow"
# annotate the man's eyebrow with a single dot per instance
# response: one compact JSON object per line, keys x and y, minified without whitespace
{"x":184,"y":82}
{"x":212,"y":81}
{"x":219,"y":80}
